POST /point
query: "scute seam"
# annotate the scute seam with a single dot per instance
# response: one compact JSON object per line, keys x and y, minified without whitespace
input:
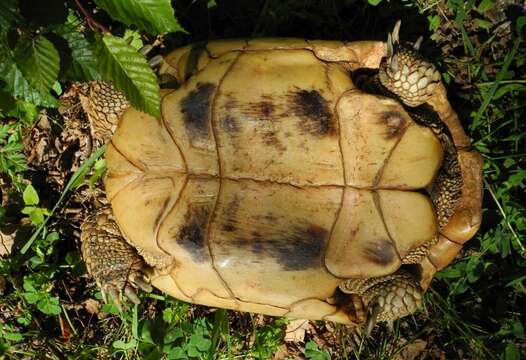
{"x":380,"y":172}
{"x":338,"y":212}
{"x":220,"y":172}
{"x":172,"y":136}
{"x":167,"y":210}
{"x":378,"y":206}
{"x":140,"y":166}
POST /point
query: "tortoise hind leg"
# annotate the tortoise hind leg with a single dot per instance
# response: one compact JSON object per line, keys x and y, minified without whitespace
{"x":387,"y":297}
{"x":115,"y":264}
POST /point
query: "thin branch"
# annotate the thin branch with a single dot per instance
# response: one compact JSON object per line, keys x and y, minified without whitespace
{"x":92,"y":23}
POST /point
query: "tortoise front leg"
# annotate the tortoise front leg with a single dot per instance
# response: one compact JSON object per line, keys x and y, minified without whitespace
{"x":116,"y":266}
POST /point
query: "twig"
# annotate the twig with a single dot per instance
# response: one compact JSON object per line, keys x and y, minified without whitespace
{"x":92,"y":23}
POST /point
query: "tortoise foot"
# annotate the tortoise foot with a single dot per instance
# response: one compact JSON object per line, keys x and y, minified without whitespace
{"x":116,"y":266}
{"x":405,"y":73}
{"x":386,"y":298}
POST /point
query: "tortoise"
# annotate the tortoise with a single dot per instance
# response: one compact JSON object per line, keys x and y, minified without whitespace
{"x":319,"y":180}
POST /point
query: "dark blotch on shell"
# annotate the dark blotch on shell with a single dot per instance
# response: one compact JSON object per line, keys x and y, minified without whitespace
{"x":230,"y":223}
{"x":380,"y":252}
{"x":395,"y":123}
{"x":315,"y":112}
{"x":195,"y":108}
{"x":230,"y":125}
{"x":192,"y":235}
{"x":297,"y":249}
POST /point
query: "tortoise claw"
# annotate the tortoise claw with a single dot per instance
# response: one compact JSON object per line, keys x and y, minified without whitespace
{"x":372,"y":317}
{"x":396,"y":32}
{"x":131,"y":294}
{"x":141,"y":283}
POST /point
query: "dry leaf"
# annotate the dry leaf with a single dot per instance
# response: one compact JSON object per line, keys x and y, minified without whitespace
{"x":295,"y":331}
{"x":92,"y":306}
{"x":412,"y":350}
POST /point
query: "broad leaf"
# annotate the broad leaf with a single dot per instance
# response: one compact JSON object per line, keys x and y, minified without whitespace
{"x":129,"y":72}
{"x":153,"y":16}
{"x":83,"y":65}
{"x":30,"y":196}
{"x":39,"y":62}
{"x":16,"y":84}
{"x":19,"y":87}
{"x":9,"y":14}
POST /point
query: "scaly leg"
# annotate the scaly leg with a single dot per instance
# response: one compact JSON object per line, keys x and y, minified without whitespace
{"x":116,"y":266}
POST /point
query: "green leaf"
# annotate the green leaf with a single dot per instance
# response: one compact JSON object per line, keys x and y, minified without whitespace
{"x":312,"y":352}
{"x":483,"y":24}
{"x":374,"y":2}
{"x":16,"y":337}
{"x":172,"y":335}
{"x":153,"y":16}
{"x":49,"y":305}
{"x":201,"y":343}
{"x":32,"y":297}
{"x":176,"y":353}
{"x":521,"y":22}
{"x":9,"y":14}
{"x":133,"y":38}
{"x":211,"y":4}
{"x":30,"y":196}
{"x":39,"y":62}
{"x":91,"y":160}
{"x":485,"y":5}
{"x":512,"y":352}
{"x":83,"y":61}
{"x":110,"y":309}
{"x":434,"y":22}
{"x":121,"y":345}
{"x":15,"y":83}
{"x":130,"y":73}
{"x":19,"y":87}
{"x":36,"y":215}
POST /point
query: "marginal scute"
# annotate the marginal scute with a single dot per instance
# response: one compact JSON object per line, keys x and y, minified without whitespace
{"x":185,"y":61}
{"x":357,"y":54}
{"x":152,"y":148}
{"x":121,"y":173}
{"x":443,"y":252}
{"x":466,"y":220}
{"x":139,"y":209}
{"x":218,"y":48}
{"x":166,"y":283}
{"x":270,"y":44}
{"x":314,"y":309}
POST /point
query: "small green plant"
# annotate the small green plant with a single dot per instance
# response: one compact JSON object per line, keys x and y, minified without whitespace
{"x":312,"y":352}
{"x":12,"y":160}
{"x":36,"y":214}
